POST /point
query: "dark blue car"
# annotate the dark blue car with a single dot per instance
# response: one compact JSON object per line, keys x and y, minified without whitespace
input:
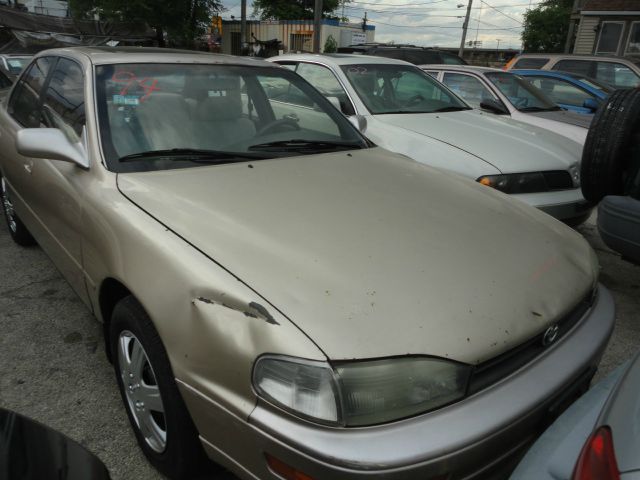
{"x":569,"y":90}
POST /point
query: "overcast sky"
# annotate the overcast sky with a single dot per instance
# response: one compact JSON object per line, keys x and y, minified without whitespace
{"x":433,"y":22}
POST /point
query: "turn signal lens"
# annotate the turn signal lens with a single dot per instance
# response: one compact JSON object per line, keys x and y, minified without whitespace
{"x":285,"y":471}
{"x":597,"y":460}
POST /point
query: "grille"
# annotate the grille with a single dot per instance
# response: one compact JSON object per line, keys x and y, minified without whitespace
{"x":491,"y":371}
{"x":558,"y":180}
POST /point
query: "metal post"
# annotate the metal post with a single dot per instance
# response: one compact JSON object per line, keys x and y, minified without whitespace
{"x":465,"y":25}
{"x":243,"y":26}
{"x":317,"y":24}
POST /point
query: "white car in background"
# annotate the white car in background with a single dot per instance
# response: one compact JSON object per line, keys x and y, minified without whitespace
{"x":505,"y":93}
{"x":403,"y":109}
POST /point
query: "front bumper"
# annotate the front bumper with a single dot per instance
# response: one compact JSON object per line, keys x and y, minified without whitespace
{"x":566,"y":205}
{"x":465,"y":440}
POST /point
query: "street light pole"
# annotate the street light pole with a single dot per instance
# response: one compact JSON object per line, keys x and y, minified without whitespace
{"x":465,"y":25}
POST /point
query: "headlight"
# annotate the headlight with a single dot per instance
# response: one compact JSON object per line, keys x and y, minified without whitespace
{"x":516,"y":182}
{"x":360,"y":393}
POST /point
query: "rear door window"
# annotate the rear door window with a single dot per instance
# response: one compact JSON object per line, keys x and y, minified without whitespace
{"x":616,"y":74}
{"x":531,"y":63}
{"x":24,"y":104}
{"x":422,"y":57}
{"x":579,"y":67}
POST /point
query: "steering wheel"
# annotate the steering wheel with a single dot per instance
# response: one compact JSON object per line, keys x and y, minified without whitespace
{"x":275,"y":124}
{"x":415,"y":100}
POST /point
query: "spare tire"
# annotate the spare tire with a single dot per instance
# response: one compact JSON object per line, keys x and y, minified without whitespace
{"x":610,"y":159}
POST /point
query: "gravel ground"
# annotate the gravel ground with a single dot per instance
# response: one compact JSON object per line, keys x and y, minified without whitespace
{"x":53,"y":367}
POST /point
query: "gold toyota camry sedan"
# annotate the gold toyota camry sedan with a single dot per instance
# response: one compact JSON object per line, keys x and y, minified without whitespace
{"x":279,"y":294}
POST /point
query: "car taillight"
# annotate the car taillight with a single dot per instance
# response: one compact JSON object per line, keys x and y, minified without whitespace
{"x":597,"y":460}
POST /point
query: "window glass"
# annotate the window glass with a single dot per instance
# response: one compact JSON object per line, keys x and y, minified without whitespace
{"x":16,"y":64}
{"x":63,"y":105}
{"x":433,"y":73}
{"x":533,"y":63}
{"x":281,"y":90}
{"x":561,"y":91}
{"x":324,"y":80}
{"x":389,"y":53}
{"x":4,"y":81}
{"x":634,"y":39}
{"x":521,"y":94}
{"x":24,"y":102}
{"x":579,"y":67}
{"x":422,"y":57}
{"x":400,"y":89}
{"x":470,"y":88}
{"x":609,"y":40}
{"x":616,"y":75}
{"x":450,"y":59}
{"x":147,"y":111}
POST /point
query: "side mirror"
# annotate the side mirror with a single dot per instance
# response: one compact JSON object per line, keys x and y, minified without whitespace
{"x":494,"y":106}
{"x":591,"y":104}
{"x":50,"y":143}
{"x":358,"y":121}
{"x":335,"y":102}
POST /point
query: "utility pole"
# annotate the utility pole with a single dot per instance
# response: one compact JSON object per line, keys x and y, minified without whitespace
{"x":317,"y":24}
{"x":498,"y":47}
{"x":243,"y":26}
{"x":465,"y":25}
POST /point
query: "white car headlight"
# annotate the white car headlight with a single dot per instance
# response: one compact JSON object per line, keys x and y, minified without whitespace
{"x":360,"y":393}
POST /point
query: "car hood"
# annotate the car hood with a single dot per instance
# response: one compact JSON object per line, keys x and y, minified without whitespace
{"x":507,"y":144}
{"x":372,"y":254}
{"x":564,"y":116}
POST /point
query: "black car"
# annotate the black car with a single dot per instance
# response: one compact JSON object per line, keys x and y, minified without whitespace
{"x":408,"y":53}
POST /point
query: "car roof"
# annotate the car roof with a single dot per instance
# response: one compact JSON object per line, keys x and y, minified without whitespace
{"x":461,"y":68}
{"x":570,"y":56}
{"x":108,"y":55}
{"x":340,"y":59}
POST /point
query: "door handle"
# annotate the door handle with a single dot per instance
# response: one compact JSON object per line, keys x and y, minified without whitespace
{"x":28,"y":167}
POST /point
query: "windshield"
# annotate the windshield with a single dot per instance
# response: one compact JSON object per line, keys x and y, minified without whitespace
{"x":161,"y":116}
{"x":590,"y":82}
{"x":522,"y":95}
{"x":386,"y":88}
{"x":16,"y":64}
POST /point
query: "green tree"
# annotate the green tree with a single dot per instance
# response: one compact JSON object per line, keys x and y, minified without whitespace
{"x":330,"y":46}
{"x":181,"y":20}
{"x":546,"y":26}
{"x":294,"y":9}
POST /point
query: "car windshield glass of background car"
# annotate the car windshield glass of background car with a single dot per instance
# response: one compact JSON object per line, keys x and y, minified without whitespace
{"x":161,"y":116}
{"x":399,"y":89}
{"x":16,"y":64}
{"x":524,"y":96}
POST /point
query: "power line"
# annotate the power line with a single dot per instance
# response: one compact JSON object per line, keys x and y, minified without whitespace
{"x":501,"y":12}
{"x":386,"y":4}
{"x":436,"y":26}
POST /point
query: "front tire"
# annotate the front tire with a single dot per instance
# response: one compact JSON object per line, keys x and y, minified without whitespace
{"x":611,"y":158}
{"x":157,"y":413}
{"x":17,"y":230}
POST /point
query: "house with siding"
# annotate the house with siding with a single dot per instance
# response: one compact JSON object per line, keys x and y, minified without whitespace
{"x":607,"y":27}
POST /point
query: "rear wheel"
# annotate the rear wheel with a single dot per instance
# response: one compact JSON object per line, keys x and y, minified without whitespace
{"x":155,"y":408}
{"x":611,"y":158}
{"x":17,"y":230}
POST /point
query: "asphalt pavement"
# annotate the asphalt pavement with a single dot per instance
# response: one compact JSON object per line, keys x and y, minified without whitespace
{"x":53,"y":367}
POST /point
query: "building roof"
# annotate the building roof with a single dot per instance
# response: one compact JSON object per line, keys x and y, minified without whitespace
{"x":611,"y":6}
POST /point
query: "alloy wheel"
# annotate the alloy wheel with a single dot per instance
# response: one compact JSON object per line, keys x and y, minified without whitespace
{"x":141,"y":390}
{"x":8,"y":207}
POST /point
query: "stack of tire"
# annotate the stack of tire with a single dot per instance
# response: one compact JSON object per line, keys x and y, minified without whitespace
{"x":611,"y":172}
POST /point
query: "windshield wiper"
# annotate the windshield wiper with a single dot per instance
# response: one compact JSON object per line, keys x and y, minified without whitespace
{"x":540,"y":109}
{"x":298,"y":145}
{"x":451,"y":109}
{"x":193,"y":155}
